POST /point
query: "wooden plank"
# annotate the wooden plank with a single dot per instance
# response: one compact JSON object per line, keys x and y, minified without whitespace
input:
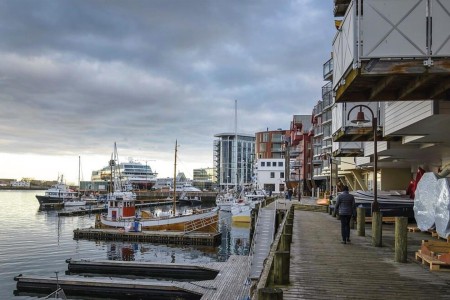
{"x":413,"y":229}
{"x":435,"y":264}
{"x":384,"y":220}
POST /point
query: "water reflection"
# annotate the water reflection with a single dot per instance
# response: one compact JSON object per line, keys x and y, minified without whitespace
{"x":123,"y":252}
{"x":46,"y":241}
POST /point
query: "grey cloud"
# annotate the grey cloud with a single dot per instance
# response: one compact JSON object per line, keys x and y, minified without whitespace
{"x":77,"y":75}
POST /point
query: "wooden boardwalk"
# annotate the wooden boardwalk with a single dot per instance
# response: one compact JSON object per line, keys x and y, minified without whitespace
{"x":263,"y":237}
{"x":323,"y":268}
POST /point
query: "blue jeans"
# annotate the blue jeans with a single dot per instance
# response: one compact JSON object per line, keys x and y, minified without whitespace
{"x":345,"y":227}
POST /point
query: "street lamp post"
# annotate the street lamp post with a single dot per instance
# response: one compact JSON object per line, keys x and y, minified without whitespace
{"x":360,"y":119}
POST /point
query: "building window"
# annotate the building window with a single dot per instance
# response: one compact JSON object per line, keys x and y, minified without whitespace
{"x":272,"y":174}
{"x":280,"y":163}
{"x":265,"y":137}
{"x":263,"y":164}
{"x":274,"y":164}
{"x":281,"y":174}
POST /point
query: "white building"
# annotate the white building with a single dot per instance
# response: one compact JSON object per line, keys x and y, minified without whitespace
{"x":269,"y":174}
{"x":20,"y":184}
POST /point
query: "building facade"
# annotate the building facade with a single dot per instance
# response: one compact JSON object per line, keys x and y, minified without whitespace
{"x":233,"y":159}
{"x":270,"y":175}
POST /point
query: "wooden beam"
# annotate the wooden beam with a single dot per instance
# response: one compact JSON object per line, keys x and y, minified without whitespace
{"x":348,"y":81}
{"x":381,"y":85}
{"x":394,"y":67}
{"x":413,"y":85}
{"x":440,"y":91}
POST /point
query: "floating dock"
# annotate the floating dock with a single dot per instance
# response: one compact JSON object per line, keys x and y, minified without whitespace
{"x":162,"y":237}
{"x":82,"y":211}
{"x":103,"y":287}
{"x":142,"y":269}
{"x":230,"y":283}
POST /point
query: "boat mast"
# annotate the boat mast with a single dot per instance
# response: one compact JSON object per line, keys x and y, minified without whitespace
{"x":236,"y":142}
{"x":175,"y":181}
{"x":79,"y":171}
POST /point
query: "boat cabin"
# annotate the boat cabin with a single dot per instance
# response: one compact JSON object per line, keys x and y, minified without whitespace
{"x":120,"y":208}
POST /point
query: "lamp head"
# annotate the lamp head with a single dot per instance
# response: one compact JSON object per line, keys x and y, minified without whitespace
{"x":360,"y":119}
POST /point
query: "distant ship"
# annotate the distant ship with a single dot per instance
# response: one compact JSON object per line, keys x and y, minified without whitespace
{"x":140,"y":176}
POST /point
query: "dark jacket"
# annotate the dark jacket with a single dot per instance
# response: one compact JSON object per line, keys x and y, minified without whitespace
{"x":345,"y":204}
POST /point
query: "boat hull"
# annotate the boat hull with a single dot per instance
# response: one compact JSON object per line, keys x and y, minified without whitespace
{"x":201,"y":222}
{"x":46,"y":200}
{"x":241,"y":213}
{"x":390,"y":206}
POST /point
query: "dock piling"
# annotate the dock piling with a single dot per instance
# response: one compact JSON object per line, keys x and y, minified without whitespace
{"x":376,"y":229}
{"x":401,"y":239}
{"x":361,"y":221}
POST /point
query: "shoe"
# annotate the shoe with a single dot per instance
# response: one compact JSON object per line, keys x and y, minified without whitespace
{"x":348,"y":240}
{"x":343,"y":242}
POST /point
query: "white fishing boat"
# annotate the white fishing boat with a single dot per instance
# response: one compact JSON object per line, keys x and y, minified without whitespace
{"x":225,"y":201}
{"x":57,"y":194}
{"x":189,"y":199}
{"x":254,"y":197}
{"x":241,"y":212}
{"x":122,"y":213}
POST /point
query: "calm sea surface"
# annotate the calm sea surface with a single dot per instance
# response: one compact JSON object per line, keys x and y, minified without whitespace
{"x":34,"y":242}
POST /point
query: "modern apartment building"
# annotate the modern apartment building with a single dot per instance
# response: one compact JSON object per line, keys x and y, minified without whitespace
{"x":233,"y":159}
{"x":270,"y":143}
{"x":299,"y":167}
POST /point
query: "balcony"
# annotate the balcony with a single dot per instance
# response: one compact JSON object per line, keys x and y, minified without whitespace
{"x":340,"y":7}
{"x":294,"y":153}
{"x":296,"y":138}
{"x":328,"y":70}
{"x":388,"y":54}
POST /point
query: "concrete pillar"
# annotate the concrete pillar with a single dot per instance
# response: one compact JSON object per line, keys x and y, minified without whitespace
{"x":270,"y":294}
{"x":401,"y":239}
{"x":376,"y":229}
{"x":361,"y":221}
{"x":281,"y":267}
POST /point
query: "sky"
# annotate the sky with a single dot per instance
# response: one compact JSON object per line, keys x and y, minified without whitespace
{"x":77,"y":76}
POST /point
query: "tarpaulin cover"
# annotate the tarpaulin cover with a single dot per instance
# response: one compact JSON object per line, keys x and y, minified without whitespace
{"x":425,"y":200}
{"x":442,"y":212}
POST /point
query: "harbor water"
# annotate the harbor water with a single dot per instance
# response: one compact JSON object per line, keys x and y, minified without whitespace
{"x":35,"y":242}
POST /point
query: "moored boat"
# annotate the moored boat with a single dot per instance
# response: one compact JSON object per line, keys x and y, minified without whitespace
{"x":240,"y":212}
{"x":122,"y":213}
{"x":391,"y":205}
{"x":57,"y":194}
{"x":189,"y":199}
{"x":225,"y":201}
